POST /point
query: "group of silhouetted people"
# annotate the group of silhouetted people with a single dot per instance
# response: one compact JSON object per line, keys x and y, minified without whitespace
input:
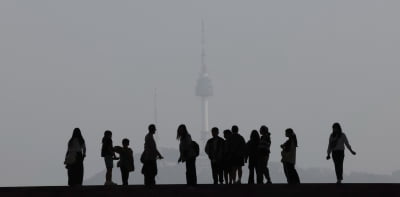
{"x":227,"y":156}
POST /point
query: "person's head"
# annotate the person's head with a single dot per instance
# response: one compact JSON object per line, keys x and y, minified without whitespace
{"x":125,"y":142}
{"x":336,"y":129}
{"x":235,"y":129}
{"x":76,"y":134}
{"x":254,"y":136}
{"x":107,"y":134}
{"x":264,"y":130}
{"x":227,"y":133}
{"x":152,"y":129}
{"x":181,"y":132}
{"x":214,"y":132}
{"x":291,"y":135}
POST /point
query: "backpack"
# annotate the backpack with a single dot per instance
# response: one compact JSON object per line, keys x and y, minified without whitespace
{"x":196,"y":148}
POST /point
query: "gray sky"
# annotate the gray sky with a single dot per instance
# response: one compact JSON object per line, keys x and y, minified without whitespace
{"x":94,"y":64}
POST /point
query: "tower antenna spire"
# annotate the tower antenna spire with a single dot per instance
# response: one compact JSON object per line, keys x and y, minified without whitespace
{"x":203,"y":47}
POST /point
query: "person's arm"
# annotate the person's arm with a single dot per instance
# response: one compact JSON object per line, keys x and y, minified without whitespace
{"x":346,"y":142}
{"x":329,"y":150}
{"x":84,"y":150}
{"x":207,"y":148}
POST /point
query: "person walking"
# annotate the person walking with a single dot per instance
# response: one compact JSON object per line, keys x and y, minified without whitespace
{"x":238,"y":145}
{"x":107,"y":152}
{"x":76,"y":153}
{"x":289,"y":157}
{"x":187,"y":154}
{"x":126,"y":161}
{"x":149,"y":157}
{"x":265,"y":150}
{"x":254,"y":158}
{"x":336,"y":146}
{"x":214,"y":149}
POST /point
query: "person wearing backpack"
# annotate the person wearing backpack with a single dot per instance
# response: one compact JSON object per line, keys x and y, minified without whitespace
{"x":214,"y":149}
{"x":187,"y":154}
{"x":265,"y":150}
{"x":126,"y":161}
{"x":337,"y":143}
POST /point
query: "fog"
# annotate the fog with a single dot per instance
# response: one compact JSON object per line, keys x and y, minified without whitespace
{"x":95,"y":65}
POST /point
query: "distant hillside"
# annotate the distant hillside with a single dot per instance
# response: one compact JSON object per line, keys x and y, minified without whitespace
{"x":170,"y":172}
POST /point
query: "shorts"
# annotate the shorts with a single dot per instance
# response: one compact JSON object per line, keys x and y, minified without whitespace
{"x":109,"y":161}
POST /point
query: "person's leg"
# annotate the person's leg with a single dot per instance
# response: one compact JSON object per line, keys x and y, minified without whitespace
{"x":337,"y":157}
{"x":154,"y":171}
{"x":266,"y":170}
{"x":226,"y":175}
{"x":109,"y":166}
{"x":71,"y":175}
{"x":251,"y":173}
{"x":220,"y":173}
{"x":233,"y":173}
{"x":188,"y":171}
{"x":193,"y":172}
{"x":286,"y":171}
{"x":214,"y":171}
{"x":79,"y":177}
{"x":240,"y":174}
{"x":260,"y":169}
{"x":295,"y":175}
{"x":124,"y":175}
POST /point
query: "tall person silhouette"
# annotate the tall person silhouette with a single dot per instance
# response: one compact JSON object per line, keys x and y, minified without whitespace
{"x":289,"y":157}
{"x":215,"y":151}
{"x":149,"y":157}
{"x":337,"y":143}
{"x":238,"y":152}
{"x":254,"y":157}
{"x":107,"y":152}
{"x":74,"y":158}
{"x":265,"y":150}
{"x":187,"y":154}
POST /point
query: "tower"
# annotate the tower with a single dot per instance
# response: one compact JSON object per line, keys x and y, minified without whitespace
{"x":204,"y":88}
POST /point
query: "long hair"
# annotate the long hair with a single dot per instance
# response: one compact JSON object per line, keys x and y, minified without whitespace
{"x":292,"y":136}
{"x":336,"y":130}
{"x":181,"y":132}
{"x":76,"y":134}
{"x":255,"y":137}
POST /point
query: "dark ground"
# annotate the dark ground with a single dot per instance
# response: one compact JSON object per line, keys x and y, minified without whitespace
{"x":281,"y":190}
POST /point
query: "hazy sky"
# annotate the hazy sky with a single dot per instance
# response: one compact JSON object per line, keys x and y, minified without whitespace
{"x":94,"y":64}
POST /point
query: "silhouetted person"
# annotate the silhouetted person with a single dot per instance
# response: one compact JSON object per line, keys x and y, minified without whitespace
{"x":126,"y":161}
{"x":254,"y":158}
{"x":149,"y":157}
{"x":289,"y":157}
{"x":227,"y":157}
{"x":265,"y":150}
{"x":107,"y":152}
{"x":337,"y":143}
{"x":74,"y":158}
{"x":238,"y":152}
{"x":215,"y":150}
{"x":187,"y":154}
